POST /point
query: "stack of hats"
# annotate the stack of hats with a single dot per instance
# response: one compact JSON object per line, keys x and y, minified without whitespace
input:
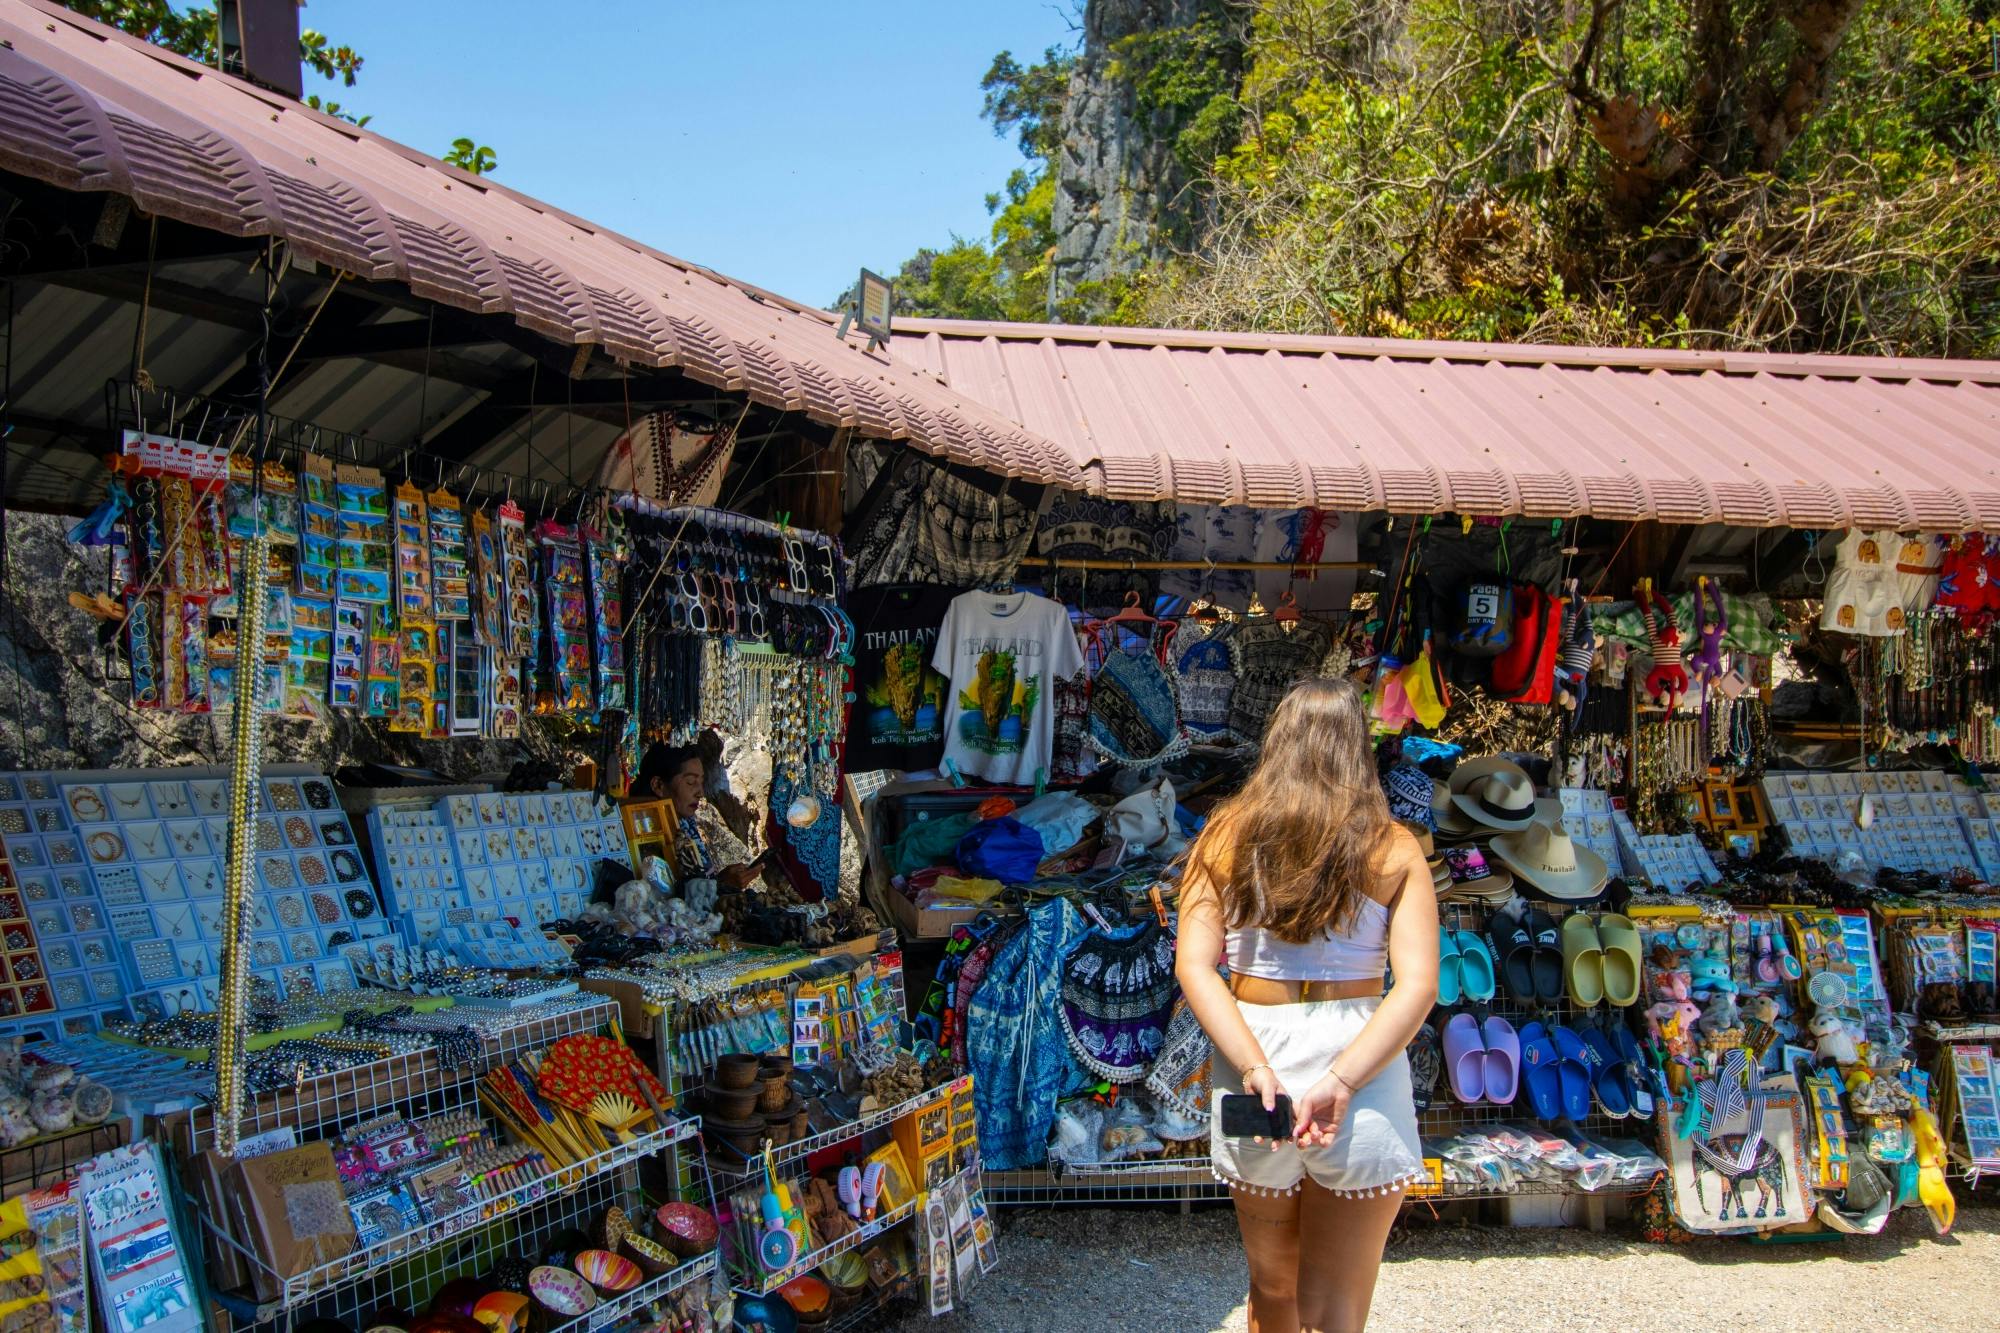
{"x":1498,"y":838}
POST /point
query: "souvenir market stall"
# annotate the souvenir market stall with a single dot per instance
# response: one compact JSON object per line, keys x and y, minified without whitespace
{"x":419,"y":1035}
{"x":1607,"y":792}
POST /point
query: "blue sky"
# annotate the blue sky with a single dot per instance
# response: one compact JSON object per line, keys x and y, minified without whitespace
{"x":783,"y":142}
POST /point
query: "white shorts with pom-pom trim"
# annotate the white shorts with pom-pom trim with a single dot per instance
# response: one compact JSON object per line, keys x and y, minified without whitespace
{"x":1377,"y":1151}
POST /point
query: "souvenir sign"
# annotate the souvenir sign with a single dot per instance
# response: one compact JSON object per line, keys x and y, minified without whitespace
{"x":488,"y":585}
{"x":518,"y":579}
{"x":567,"y":643}
{"x":366,"y":536}
{"x":451,"y":599}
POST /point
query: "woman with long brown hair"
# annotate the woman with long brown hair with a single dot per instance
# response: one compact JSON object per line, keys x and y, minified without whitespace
{"x":1309,"y":891}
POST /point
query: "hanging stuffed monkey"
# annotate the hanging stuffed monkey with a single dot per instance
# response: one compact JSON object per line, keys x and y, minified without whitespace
{"x":1668,"y":680}
{"x":1579,"y":648}
{"x":1705,"y":663}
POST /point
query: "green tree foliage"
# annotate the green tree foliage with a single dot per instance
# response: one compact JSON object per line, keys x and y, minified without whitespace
{"x":476,"y":158}
{"x":1738,"y":173}
{"x":195,"y":33}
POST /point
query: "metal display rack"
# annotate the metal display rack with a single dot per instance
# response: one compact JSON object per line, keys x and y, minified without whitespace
{"x":327,"y":1279}
{"x":812,"y":1259}
{"x":320,"y":1107}
{"x":798,"y":1150}
{"x":613,"y":1309}
{"x":400,"y":1271}
{"x":1177,"y":1180}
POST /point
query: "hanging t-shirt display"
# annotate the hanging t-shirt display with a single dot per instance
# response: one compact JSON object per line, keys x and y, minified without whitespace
{"x":900,"y":699}
{"x":1002,"y":653}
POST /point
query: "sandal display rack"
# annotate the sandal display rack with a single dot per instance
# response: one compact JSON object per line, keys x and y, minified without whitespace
{"x":1446,"y":1115}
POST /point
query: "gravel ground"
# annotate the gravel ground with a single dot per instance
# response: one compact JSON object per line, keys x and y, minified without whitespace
{"x":1154,"y":1270}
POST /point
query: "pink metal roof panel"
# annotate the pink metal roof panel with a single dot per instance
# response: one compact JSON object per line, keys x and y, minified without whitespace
{"x":1686,"y":437}
{"x":88,"y":108}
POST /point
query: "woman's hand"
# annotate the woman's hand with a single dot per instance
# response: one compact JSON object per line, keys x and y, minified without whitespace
{"x":734,"y":878}
{"x":1262,"y":1083}
{"x":1320,"y":1114}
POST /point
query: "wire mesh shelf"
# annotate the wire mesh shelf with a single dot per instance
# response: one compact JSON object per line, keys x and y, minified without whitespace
{"x":805,"y":1263}
{"x":1464,"y":1192}
{"x":1175,"y":1180}
{"x":317,"y":1107}
{"x":579,"y":1178}
{"x":47,"y":1159}
{"x":800,"y":1149}
{"x":868,"y":1312}
{"x":615,"y":1309}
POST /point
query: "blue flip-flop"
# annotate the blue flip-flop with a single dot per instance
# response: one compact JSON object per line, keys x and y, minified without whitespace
{"x":1609,"y":1076}
{"x":1627,"y":1046}
{"x":1475,"y":966}
{"x":1572,"y":1072}
{"x":1539,"y":1061}
{"x":1450,"y":964}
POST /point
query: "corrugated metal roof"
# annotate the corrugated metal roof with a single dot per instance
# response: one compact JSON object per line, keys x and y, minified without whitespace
{"x":90,"y":109}
{"x":1411,"y":427}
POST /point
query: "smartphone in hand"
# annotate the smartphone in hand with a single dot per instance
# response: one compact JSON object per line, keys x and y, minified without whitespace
{"x":1244,"y":1117}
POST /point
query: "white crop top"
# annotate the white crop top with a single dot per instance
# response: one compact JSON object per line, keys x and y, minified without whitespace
{"x":1360,"y":956}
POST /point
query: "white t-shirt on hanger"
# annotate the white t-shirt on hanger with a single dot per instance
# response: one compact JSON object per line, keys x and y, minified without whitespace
{"x":1003,"y":653}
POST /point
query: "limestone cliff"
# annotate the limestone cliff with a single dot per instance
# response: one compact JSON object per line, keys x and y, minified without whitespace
{"x":1115,"y":175}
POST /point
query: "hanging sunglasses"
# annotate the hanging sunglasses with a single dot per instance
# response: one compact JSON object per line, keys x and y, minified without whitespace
{"x":795,"y":556}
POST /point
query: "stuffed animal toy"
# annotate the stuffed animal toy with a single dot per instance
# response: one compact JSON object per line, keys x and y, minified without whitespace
{"x":1667,"y":682}
{"x":1706,"y":661}
{"x":1671,"y":1005}
{"x":1721,"y":1018}
{"x":1579,"y":649}
{"x":1835,"y":1043}
{"x":1708,"y":974}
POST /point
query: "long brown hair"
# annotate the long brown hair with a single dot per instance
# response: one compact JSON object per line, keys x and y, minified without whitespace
{"x":1292,"y":850}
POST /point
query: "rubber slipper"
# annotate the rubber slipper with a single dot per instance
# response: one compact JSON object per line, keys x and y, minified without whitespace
{"x":1475,"y":967}
{"x":1424,"y":1060}
{"x":1620,"y":963}
{"x":1583,"y":960}
{"x":1465,"y":1058}
{"x":1503,"y":1060}
{"x":1539,"y":1060}
{"x":1449,"y":965}
{"x":1515,"y":948}
{"x":1628,"y":1050}
{"x":1547,"y":961}
{"x":1573,"y":1072}
{"x":1608,"y":1075}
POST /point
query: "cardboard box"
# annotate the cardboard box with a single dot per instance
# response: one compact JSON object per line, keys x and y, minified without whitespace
{"x":295,"y":1213}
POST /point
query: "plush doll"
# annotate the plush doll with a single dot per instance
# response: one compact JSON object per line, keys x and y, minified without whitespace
{"x":1708,"y":974}
{"x":1579,"y":648}
{"x":1721,"y":1017}
{"x":1835,"y":1043}
{"x":1668,"y":680}
{"x":1671,"y":1005}
{"x":1705,"y":663}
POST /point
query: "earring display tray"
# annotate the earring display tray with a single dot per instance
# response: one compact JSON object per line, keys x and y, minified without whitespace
{"x":1917,"y":820}
{"x":120,"y":877}
{"x":478,"y":874}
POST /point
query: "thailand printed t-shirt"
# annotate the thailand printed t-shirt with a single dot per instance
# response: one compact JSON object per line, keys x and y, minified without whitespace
{"x":1003,"y":653}
{"x":900,"y":699}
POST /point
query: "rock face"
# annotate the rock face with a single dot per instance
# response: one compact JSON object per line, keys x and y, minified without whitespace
{"x":1117,"y":175}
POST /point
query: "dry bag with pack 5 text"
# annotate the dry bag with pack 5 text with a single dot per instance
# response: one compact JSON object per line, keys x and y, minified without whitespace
{"x":1485,"y":621}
